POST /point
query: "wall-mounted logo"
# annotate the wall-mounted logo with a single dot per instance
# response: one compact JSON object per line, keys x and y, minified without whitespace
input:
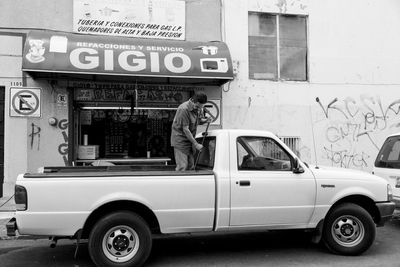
{"x":58,"y":44}
{"x":214,"y":65}
{"x":36,"y":51}
{"x":209,"y":50}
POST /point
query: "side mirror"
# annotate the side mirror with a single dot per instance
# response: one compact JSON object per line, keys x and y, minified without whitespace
{"x":297,"y":167}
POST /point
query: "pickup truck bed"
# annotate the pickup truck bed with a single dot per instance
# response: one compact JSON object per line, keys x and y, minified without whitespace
{"x":118,"y":170}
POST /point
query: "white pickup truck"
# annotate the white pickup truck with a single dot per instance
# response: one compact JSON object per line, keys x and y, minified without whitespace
{"x":245,"y":180}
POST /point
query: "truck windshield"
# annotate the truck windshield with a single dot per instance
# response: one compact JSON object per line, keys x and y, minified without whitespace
{"x":207,"y":154}
{"x":389,"y":155}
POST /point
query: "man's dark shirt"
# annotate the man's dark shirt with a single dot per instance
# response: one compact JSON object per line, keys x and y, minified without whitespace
{"x":186,"y":115}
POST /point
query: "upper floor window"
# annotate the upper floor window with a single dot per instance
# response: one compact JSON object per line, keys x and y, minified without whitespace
{"x":277,"y":47}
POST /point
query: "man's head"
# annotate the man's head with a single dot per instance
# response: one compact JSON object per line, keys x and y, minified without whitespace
{"x":199,"y":99}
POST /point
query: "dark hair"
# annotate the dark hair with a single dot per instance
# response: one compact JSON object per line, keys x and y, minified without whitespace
{"x":199,"y":97}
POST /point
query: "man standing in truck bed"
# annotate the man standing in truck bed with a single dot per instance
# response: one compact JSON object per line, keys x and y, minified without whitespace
{"x":183,"y":131}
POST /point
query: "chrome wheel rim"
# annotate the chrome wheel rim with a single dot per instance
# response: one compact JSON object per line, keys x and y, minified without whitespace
{"x":348,"y":231}
{"x":120,"y":243}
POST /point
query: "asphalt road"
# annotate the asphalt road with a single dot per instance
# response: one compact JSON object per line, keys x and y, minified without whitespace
{"x":282,"y":248}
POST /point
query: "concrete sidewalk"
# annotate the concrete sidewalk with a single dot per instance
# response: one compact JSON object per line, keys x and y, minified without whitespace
{"x":7,"y":211}
{"x":7,"y":207}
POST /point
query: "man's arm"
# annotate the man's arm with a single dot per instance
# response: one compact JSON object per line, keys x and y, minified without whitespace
{"x":202,"y":119}
{"x":191,"y":138}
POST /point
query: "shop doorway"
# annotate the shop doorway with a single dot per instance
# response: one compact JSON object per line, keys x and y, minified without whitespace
{"x":2,"y":98}
{"x":112,"y":133}
{"x":125,"y":123}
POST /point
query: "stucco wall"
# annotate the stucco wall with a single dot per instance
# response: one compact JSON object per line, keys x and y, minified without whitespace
{"x":44,"y":146}
{"x":14,"y":128}
{"x":202,"y":17}
{"x":353,"y":68}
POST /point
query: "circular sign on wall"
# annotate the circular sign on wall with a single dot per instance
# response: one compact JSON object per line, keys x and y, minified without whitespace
{"x":212,"y":109}
{"x":25,"y":102}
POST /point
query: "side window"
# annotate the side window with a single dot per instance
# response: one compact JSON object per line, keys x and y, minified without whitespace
{"x":389,"y":155}
{"x":394,"y":152}
{"x":241,"y":153}
{"x":261,"y":153}
{"x":207,"y":154}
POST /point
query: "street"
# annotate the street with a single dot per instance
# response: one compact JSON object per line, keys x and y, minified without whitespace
{"x":285,"y":248}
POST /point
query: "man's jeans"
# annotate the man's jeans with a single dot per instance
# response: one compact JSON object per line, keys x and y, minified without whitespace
{"x":183,"y":162}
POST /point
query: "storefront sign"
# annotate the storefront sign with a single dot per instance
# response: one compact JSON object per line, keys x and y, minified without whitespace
{"x":159,"y":19}
{"x":143,"y":98}
{"x":24,"y":102}
{"x":47,"y":51}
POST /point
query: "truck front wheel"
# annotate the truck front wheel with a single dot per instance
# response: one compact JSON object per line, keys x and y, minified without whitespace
{"x":120,"y":239}
{"x":349,"y":230}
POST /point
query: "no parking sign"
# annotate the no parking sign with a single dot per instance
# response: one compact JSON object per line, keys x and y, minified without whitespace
{"x":25,"y":102}
{"x":213,"y":108}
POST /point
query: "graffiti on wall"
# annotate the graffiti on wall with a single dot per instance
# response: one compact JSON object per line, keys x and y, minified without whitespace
{"x":35,"y":136}
{"x":63,"y":147}
{"x":345,"y":158}
{"x":352,"y":126}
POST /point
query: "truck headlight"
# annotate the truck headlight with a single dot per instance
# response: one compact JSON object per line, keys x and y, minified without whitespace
{"x":389,"y":193}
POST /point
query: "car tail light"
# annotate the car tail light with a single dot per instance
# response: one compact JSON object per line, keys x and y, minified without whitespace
{"x":21,"y":198}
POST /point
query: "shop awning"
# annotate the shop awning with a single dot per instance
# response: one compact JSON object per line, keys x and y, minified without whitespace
{"x":60,"y":52}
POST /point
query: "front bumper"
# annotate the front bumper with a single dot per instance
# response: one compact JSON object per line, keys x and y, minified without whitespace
{"x":396,"y":201}
{"x":386,"y":210}
{"x":12,"y":227}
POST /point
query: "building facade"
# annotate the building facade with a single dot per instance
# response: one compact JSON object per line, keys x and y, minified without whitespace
{"x":322,"y":75}
{"x":98,"y":82}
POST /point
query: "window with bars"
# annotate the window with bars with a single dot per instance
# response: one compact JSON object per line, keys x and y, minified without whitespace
{"x":292,"y":142}
{"x":277,"y":47}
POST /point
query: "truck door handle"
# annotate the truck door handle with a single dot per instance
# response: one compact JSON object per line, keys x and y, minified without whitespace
{"x":244,"y":183}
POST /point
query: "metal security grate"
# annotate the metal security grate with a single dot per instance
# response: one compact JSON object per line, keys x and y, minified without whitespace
{"x":292,"y":142}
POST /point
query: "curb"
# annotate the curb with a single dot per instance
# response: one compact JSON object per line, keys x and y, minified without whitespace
{"x":3,"y":232}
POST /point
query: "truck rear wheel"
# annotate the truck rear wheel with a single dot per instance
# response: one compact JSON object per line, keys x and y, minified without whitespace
{"x":349,"y":230}
{"x":120,"y":239}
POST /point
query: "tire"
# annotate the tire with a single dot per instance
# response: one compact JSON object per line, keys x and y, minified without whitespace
{"x":348,"y":230}
{"x":120,"y":239}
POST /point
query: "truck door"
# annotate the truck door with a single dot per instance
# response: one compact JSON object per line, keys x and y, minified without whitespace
{"x":264,"y":189}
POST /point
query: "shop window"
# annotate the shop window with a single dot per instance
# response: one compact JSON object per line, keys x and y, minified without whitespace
{"x":277,"y":47}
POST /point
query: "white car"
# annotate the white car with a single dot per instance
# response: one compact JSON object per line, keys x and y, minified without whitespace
{"x":387,"y":165}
